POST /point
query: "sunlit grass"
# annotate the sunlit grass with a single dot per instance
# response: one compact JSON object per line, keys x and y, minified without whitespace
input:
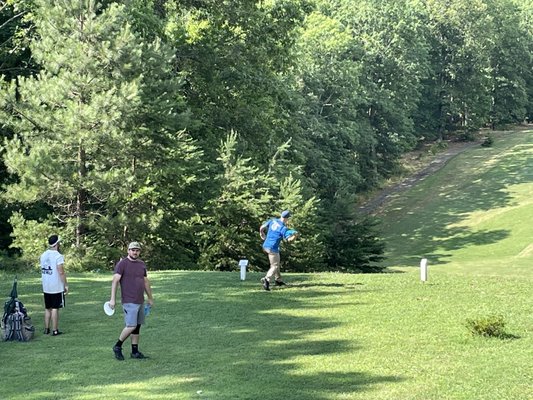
{"x":471,"y":216}
{"x":326,"y":336}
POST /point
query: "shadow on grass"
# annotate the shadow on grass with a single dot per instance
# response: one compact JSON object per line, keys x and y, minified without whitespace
{"x":509,"y":336}
{"x":255,"y":344}
{"x":297,"y":285}
{"x":429,"y":217}
{"x":501,"y":336}
{"x":207,"y":332}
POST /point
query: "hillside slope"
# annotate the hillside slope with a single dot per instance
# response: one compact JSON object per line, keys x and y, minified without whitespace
{"x":470,"y":216}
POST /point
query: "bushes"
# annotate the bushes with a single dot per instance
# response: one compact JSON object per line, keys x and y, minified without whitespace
{"x":488,"y":142}
{"x":490,"y":326}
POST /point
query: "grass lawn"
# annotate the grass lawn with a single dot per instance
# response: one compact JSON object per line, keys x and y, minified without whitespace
{"x":326,"y":336}
{"x":472,"y":216}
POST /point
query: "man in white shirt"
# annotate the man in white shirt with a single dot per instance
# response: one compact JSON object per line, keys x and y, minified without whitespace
{"x":54,"y":284}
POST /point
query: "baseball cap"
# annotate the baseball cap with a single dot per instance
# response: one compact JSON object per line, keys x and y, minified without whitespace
{"x":134,"y":245}
{"x":286,"y":214}
{"x":53,"y":240}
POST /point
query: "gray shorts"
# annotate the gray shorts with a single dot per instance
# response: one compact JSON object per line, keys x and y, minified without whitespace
{"x":133,"y":314}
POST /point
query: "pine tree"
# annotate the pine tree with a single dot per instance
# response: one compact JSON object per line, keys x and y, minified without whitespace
{"x":245,"y":196}
{"x":99,"y":132}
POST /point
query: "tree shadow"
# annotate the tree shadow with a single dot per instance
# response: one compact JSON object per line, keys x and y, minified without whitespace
{"x":229,"y":339}
{"x":483,"y":185}
{"x":297,"y":285}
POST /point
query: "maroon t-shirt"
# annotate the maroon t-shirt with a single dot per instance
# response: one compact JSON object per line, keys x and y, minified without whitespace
{"x":132,"y":280}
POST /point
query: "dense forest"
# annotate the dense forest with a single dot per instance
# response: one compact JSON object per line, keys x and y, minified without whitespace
{"x":184,"y":124}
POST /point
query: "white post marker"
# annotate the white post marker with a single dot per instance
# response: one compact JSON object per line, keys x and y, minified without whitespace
{"x":424,"y":269}
{"x":243,"y":264}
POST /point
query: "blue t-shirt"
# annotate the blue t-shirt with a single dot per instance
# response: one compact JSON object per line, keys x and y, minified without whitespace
{"x":276,"y":232}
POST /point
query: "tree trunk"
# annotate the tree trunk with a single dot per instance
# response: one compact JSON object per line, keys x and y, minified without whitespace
{"x":80,"y":196}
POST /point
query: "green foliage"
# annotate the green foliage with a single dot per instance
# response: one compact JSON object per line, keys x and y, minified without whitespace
{"x":457,"y":90}
{"x":230,"y":221}
{"x":31,"y":237}
{"x":113,"y":115}
{"x":15,"y":56}
{"x":15,"y":60}
{"x":99,"y":133}
{"x":13,"y":264}
{"x":490,"y":326}
{"x":488,"y":142}
{"x":467,"y":135}
{"x":307,"y":252}
{"x":245,"y":196}
{"x":510,"y":66}
{"x":352,"y":243}
{"x":234,"y":55}
{"x":394,"y":61}
{"x":438,"y":146}
{"x":332,"y":143}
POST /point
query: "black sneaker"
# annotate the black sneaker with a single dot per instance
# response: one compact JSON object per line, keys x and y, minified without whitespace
{"x":280,"y":283}
{"x":118,"y":353}
{"x":266,"y":283}
{"x":56,"y":333}
{"x":138,"y":355}
{"x":46,"y":331}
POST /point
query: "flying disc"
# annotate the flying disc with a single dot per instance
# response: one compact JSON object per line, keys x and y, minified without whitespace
{"x":147,"y":309}
{"x":107,"y":309}
{"x":290,"y":232}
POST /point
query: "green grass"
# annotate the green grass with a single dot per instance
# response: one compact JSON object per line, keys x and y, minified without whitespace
{"x":326,"y":336}
{"x":472,"y":216}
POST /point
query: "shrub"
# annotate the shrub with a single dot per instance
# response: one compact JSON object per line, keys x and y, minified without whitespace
{"x":467,"y":136}
{"x":488,"y":142}
{"x":10,"y":263}
{"x":437,"y":147}
{"x":491,"y":326}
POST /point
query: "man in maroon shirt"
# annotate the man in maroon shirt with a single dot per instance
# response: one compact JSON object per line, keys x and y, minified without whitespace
{"x":130,"y":272}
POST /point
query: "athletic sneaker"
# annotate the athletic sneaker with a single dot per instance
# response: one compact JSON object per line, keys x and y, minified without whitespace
{"x":56,"y":333}
{"x":138,"y":355}
{"x":118,"y":353}
{"x":266,"y":283}
{"x":46,"y":331}
{"x":280,"y":283}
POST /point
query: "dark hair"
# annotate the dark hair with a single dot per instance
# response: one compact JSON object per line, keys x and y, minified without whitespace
{"x":53,"y":240}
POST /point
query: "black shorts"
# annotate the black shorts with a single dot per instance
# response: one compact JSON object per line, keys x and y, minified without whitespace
{"x":54,"y":300}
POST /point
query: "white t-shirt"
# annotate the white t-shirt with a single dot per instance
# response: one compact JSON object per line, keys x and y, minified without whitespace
{"x":52,"y":283}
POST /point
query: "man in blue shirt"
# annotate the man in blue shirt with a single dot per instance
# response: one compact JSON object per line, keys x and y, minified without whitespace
{"x":273,"y":232}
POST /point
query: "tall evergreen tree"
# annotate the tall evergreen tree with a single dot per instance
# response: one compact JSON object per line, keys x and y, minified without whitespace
{"x":228,"y":230}
{"x":99,"y":131}
{"x":15,"y":60}
{"x":245,"y":196}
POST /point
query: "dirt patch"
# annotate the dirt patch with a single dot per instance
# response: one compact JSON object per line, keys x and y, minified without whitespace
{"x":436,"y":162}
{"x":432,"y":165}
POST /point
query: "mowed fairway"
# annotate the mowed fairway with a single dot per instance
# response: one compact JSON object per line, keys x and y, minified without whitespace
{"x":473,"y":216}
{"x":326,"y":336}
